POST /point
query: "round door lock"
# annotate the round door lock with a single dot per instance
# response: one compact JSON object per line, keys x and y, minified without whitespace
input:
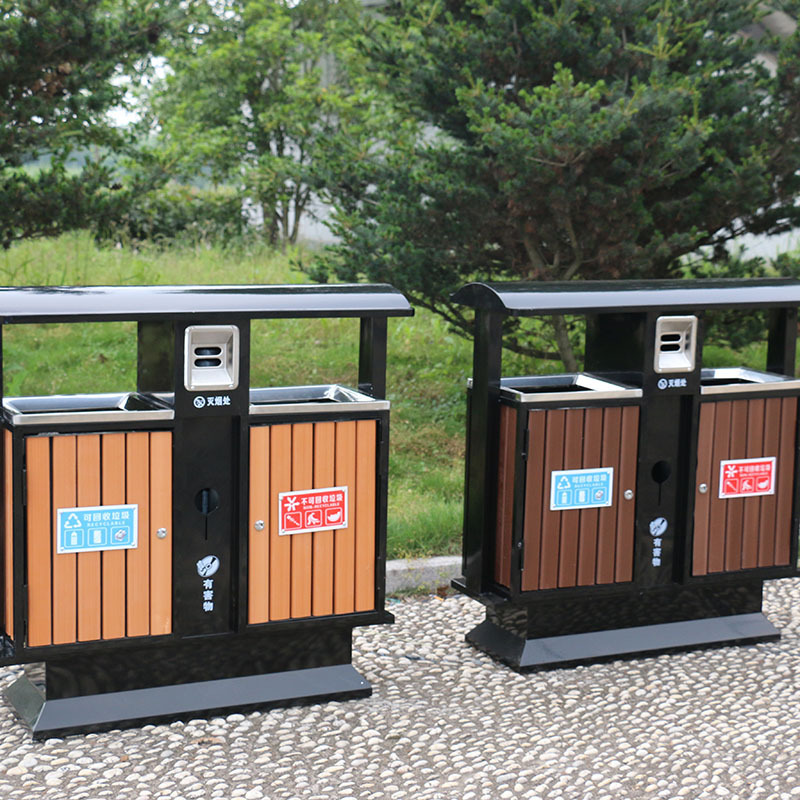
{"x":628,"y":494}
{"x":161,"y":533}
{"x":259,"y":524}
{"x":702,"y":488}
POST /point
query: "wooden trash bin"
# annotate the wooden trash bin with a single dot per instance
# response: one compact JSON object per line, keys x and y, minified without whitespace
{"x":151,"y":559}
{"x":636,"y":507}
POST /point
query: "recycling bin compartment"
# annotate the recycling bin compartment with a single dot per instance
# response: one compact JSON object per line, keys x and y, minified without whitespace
{"x":310,"y":444}
{"x":591,"y":545}
{"x":636,"y":506}
{"x":148,"y":560}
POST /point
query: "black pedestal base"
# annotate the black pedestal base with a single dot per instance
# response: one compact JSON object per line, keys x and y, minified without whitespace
{"x":558,"y":631}
{"x":87,"y":713}
{"x":580,"y":648}
{"x":101,"y":689}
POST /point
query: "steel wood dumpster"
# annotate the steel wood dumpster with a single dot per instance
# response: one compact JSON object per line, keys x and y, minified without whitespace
{"x":637,"y":506}
{"x":197,"y":545}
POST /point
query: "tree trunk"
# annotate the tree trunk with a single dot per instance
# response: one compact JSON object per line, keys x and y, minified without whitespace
{"x":562,"y":342}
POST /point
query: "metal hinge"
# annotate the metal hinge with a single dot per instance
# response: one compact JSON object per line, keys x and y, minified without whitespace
{"x":525,"y":441}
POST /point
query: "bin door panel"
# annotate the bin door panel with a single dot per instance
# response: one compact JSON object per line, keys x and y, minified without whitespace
{"x":322,"y":571}
{"x":735,"y":526}
{"x":100,"y":594}
{"x":579,"y":546}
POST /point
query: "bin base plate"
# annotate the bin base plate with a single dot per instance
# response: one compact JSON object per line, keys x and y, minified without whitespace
{"x":123,"y":709}
{"x":579,"y":648}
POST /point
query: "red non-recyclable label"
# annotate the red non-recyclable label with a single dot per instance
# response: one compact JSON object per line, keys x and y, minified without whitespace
{"x":312,"y":510}
{"x":747,"y":477}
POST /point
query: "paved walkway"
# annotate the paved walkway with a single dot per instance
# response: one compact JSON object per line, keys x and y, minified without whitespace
{"x":447,"y":723}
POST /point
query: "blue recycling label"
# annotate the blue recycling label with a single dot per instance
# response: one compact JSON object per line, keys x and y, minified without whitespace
{"x":90,"y":529}
{"x":581,"y":488}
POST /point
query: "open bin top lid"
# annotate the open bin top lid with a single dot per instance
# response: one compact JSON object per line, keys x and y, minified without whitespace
{"x":581,"y":297}
{"x":105,"y":303}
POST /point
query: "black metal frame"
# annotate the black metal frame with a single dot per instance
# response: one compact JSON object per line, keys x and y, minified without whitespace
{"x":662,"y":608}
{"x":204,"y":665}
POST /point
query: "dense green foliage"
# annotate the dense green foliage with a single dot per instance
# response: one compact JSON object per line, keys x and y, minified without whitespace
{"x":58,"y":68}
{"x":253,"y":90}
{"x":562,"y":139}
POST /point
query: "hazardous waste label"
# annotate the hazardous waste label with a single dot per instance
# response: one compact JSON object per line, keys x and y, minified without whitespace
{"x":312,"y":510}
{"x":746,"y":477}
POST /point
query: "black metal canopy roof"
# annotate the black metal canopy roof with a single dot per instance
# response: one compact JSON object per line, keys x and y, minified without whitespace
{"x":581,"y":297}
{"x":105,"y":303}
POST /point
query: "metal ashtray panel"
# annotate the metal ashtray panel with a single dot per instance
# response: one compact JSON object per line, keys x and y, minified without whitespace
{"x":326,"y":398}
{"x":565,"y":387}
{"x":83,"y":408}
{"x":738,"y":380}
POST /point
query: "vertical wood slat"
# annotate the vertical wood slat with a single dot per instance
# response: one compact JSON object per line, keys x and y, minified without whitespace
{"x":570,"y":520}
{"x":734,"y":518}
{"x":114,"y":573}
{"x":717,"y":515}
{"x":588,"y":533}
{"x":258,"y":545}
{"x":365,"y":489}
{"x":344,"y":540}
{"x":752,"y":505}
{"x":8,"y":541}
{"x":629,"y":450}
{"x":301,"y":543}
{"x":37,"y":453}
{"x":137,"y":491}
{"x":551,"y":520}
{"x":64,"y":485}
{"x":324,"y":473}
{"x":534,"y":498}
{"x":505,"y":495}
{"x":785,"y":467}
{"x":160,"y":517}
{"x":280,"y":547}
{"x":88,"y":590}
{"x":607,"y":517}
{"x":766,"y":521}
{"x":702,"y":500}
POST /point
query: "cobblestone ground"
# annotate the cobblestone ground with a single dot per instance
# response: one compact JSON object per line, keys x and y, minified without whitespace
{"x":447,"y":723}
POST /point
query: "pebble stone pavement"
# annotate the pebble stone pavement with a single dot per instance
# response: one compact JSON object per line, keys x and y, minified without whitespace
{"x":446,"y":722}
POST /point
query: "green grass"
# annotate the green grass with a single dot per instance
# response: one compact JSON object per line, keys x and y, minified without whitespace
{"x":427,"y":365}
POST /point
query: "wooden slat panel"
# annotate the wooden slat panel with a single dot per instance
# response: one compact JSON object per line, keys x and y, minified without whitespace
{"x":702,"y":500}
{"x":785,"y":481}
{"x":114,"y":580}
{"x":607,"y":517}
{"x":772,"y":438}
{"x":535,"y":480}
{"x":365,"y":488}
{"x":258,"y":541}
{"x":735,"y":507}
{"x":160,"y":517}
{"x":344,"y":542}
{"x":8,"y":541}
{"x":505,"y":495}
{"x":138,"y":559}
{"x":37,"y":449}
{"x":302,"y":478}
{"x":64,"y":483}
{"x":551,"y":520}
{"x":324,"y":475}
{"x":280,"y":547}
{"x":718,"y":516}
{"x":587,"y":541}
{"x":629,"y":453}
{"x":752,"y":505}
{"x":89,"y":589}
{"x":570,"y":520}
